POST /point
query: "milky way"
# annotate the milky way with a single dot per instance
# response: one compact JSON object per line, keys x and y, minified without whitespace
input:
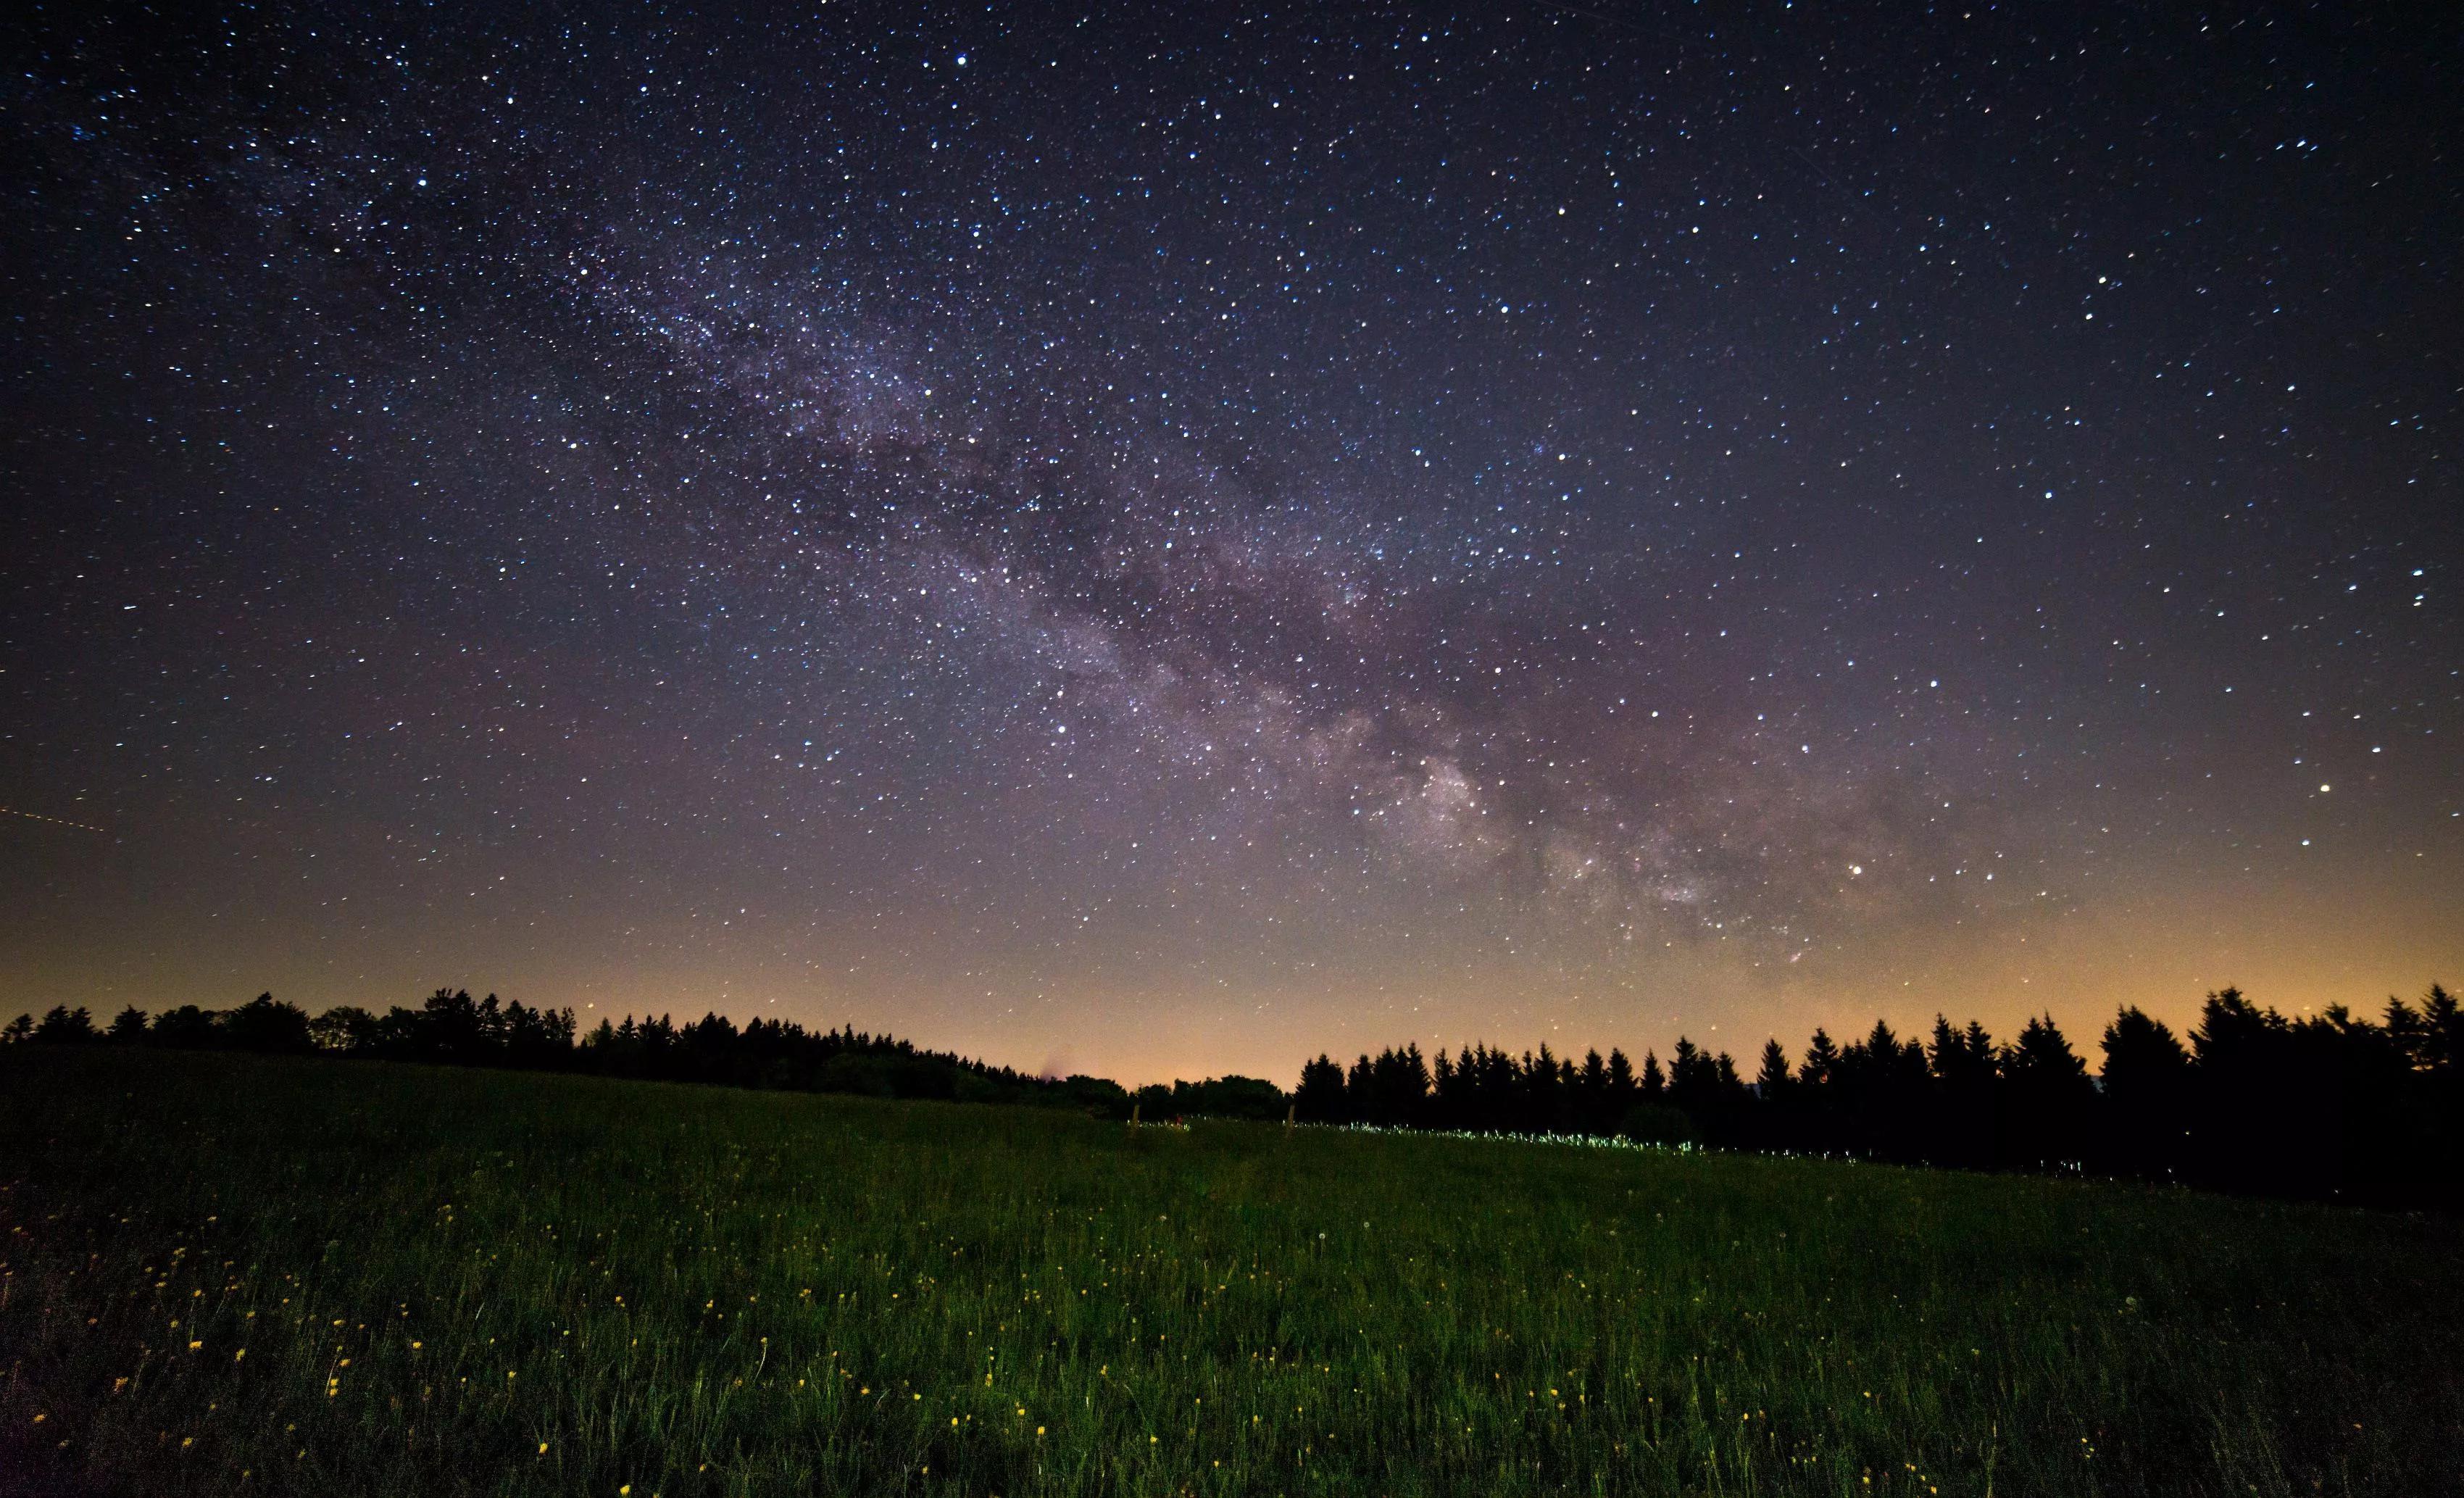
{"x":1172,"y":540}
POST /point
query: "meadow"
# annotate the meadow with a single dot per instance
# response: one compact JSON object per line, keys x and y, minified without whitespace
{"x":222,"y":1273}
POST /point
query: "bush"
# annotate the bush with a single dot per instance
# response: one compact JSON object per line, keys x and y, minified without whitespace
{"x":1657,"y":1123}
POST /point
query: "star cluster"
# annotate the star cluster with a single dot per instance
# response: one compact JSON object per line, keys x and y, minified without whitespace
{"x":1173,"y":539}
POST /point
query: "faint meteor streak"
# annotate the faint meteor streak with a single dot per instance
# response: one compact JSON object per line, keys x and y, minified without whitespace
{"x":59,"y":821}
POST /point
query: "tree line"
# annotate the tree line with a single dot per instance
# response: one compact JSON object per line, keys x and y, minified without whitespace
{"x":453,"y":1028}
{"x":2329,"y":1105}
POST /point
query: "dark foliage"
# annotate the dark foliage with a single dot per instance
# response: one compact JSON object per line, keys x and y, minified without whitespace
{"x":1220,"y":1098}
{"x":2326,"y":1106}
{"x":2330,"y":1104}
{"x":453,"y":1028}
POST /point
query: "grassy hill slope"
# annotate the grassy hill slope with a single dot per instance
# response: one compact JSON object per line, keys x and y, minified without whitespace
{"x":227,"y":1274}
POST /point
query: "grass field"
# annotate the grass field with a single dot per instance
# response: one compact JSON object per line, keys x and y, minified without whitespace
{"x":225,"y":1275}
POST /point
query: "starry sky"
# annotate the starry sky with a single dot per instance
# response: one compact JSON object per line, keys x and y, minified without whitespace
{"x":1163,"y":539}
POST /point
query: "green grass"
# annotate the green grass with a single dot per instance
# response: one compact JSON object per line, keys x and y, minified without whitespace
{"x":467,"y":1282}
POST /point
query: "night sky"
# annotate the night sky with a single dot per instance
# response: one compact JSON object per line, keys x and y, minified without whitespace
{"x":1163,"y":539}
